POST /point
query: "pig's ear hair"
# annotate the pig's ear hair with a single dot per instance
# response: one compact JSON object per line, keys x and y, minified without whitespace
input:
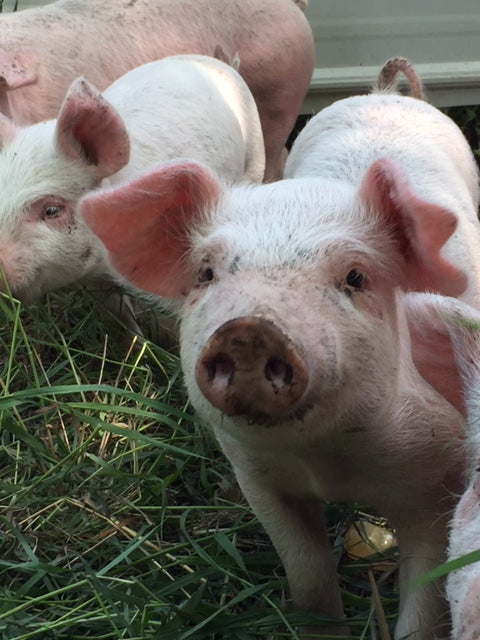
{"x":434,"y":353}
{"x":90,"y":130}
{"x":146,"y":224}
{"x":12,"y":74}
{"x":420,"y":228}
{"x":464,"y":327}
{"x":8,"y":130}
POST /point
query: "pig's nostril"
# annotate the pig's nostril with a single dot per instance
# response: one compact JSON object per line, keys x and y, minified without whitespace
{"x":221,"y":369}
{"x":278,"y":372}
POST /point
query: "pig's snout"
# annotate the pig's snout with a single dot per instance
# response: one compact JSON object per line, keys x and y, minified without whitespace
{"x":248,"y":366}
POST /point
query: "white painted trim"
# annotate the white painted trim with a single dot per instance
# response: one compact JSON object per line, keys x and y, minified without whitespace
{"x":446,"y":84}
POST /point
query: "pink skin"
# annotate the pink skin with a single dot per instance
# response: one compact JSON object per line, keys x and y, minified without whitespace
{"x":274,"y":44}
{"x":451,"y":326}
{"x":292,"y":290}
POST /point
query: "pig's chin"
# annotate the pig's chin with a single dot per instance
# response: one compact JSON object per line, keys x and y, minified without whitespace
{"x":267,"y":421}
{"x":244,"y":420}
{"x":244,"y":417}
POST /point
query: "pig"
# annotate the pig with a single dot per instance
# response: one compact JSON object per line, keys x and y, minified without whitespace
{"x":181,"y":106}
{"x":294,"y":333}
{"x":450,"y":360}
{"x":414,"y":143}
{"x":42,"y":50}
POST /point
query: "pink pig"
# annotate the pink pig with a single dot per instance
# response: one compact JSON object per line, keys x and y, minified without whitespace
{"x":448,"y":332}
{"x":295,"y":336}
{"x":181,"y":106}
{"x":43,"y":50}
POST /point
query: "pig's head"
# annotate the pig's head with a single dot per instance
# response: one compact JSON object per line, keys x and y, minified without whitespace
{"x":448,"y":356}
{"x":287,"y":291}
{"x":44,"y":170}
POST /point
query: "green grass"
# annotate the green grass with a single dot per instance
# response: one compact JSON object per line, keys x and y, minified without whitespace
{"x":119,"y":517}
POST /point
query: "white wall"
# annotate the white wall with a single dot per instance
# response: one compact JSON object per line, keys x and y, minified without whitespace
{"x":9,"y":5}
{"x":355,"y":37}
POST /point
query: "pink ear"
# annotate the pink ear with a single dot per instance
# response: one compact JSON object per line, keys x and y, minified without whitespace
{"x":12,"y":74}
{"x":8,"y":130}
{"x":420,"y":227}
{"x":90,"y":130}
{"x":464,"y":328}
{"x":145,"y":224}
{"x":435,"y":355}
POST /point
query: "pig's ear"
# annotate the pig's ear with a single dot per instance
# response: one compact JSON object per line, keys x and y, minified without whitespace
{"x":464,"y":327}
{"x":146,"y":224}
{"x":12,"y":74}
{"x":421,"y":229}
{"x":89,"y":130}
{"x":445,"y":343}
{"x":8,"y":130}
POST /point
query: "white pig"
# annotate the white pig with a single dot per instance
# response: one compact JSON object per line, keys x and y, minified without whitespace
{"x":42,"y":50}
{"x":294,"y":337}
{"x":181,"y":106}
{"x":413,"y":143}
{"x":449,"y":334}
{"x":295,"y":349}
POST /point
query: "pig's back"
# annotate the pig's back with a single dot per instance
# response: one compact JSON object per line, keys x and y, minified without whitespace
{"x":191,"y":107}
{"x":103,"y":39}
{"x":343,"y":140}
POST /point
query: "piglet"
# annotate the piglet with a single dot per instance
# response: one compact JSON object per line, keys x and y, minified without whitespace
{"x":294,"y":333}
{"x":181,"y":106}
{"x":449,"y":358}
{"x":295,"y":348}
{"x":296,"y":339}
{"x":418,"y":153}
{"x":42,"y":50}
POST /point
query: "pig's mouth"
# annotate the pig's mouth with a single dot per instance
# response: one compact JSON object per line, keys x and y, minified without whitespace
{"x":269,"y":422}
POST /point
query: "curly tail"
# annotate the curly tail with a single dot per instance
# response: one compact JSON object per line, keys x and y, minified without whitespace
{"x":302,"y":4}
{"x":387,"y":81}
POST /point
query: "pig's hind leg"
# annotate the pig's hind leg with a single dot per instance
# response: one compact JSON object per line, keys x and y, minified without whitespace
{"x":423,"y":613}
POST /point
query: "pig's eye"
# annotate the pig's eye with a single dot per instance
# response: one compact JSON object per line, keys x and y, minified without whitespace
{"x":355,"y":279}
{"x":51,"y":212}
{"x":206,"y":275}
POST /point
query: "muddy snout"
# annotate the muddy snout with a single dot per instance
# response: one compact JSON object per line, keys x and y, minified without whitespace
{"x":248,"y":366}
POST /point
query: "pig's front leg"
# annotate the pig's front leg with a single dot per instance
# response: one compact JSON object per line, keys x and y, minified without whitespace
{"x":297,"y":529}
{"x":299,"y":534}
{"x":423,"y":613}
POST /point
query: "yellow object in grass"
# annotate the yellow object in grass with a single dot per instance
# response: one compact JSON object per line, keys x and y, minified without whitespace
{"x":365,"y":539}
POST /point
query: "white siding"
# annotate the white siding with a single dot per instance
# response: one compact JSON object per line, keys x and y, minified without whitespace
{"x":9,"y":5}
{"x":354,"y":38}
